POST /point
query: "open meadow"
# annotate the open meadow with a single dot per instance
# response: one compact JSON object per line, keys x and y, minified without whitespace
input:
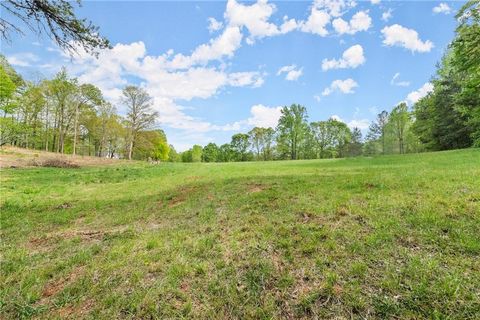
{"x":383,"y":237}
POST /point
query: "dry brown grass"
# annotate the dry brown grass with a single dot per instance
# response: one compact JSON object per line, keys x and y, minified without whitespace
{"x":13,"y":157}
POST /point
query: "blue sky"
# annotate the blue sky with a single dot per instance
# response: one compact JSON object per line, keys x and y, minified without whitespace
{"x":216,"y":68}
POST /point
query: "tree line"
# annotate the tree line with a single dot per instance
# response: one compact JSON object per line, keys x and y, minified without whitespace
{"x":295,"y":138}
{"x":449,"y":117}
{"x":61,"y":115}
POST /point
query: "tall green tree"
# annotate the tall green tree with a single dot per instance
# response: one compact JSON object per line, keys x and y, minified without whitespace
{"x":225,"y":153}
{"x":8,"y":127}
{"x":140,"y":115}
{"x":331,"y":138}
{"x":399,"y":122}
{"x":292,"y":128}
{"x":466,"y":50}
{"x":210,"y":153}
{"x":197,"y":153}
{"x":240,"y":144}
{"x":87,"y":95}
{"x":449,"y":117}
{"x":377,"y":130}
{"x":152,"y":144}
{"x":30,"y":106}
{"x":323,"y":138}
{"x":60,"y":93}
{"x":261,"y":140}
{"x":173,"y":155}
{"x":355,"y":146}
{"x":7,"y":90}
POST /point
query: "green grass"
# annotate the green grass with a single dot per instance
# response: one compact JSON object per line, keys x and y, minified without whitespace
{"x":385,"y":237}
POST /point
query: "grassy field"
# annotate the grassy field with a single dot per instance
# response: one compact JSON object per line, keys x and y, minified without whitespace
{"x":385,"y":237}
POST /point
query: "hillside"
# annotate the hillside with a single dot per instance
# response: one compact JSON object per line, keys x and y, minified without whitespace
{"x":13,"y":157}
{"x":382,"y":237}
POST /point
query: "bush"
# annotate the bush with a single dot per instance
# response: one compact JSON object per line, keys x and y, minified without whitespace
{"x":56,"y":163}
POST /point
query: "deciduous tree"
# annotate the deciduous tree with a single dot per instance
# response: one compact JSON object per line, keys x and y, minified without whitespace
{"x":140,"y":115}
{"x":292,"y":128}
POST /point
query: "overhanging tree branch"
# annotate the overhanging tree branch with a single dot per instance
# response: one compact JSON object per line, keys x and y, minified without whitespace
{"x":57,"y":19}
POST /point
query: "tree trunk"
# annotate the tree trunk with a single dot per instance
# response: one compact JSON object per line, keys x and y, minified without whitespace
{"x":130,"y":148}
{"x":75,"y":132}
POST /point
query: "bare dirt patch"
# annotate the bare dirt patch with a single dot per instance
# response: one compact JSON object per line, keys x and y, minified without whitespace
{"x":181,"y":196}
{"x":256,"y":187}
{"x":13,"y":157}
{"x":75,"y":311}
{"x":48,"y":241}
{"x":342,"y":211}
{"x":54,"y":287}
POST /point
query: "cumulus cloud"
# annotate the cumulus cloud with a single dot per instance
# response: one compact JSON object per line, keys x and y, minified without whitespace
{"x":335,"y":8}
{"x":343,"y":86}
{"x":265,"y":117}
{"x":360,"y":21}
{"x":414,"y":96}
{"x":351,"y":58}
{"x":396,"y":82}
{"x":224,"y":45}
{"x":442,"y":8}
{"x":168,"y":86}
{"x":214,"y":25}
{"x":375,"y":1}
{"x":321,"y":14}
{"x":291,"y":71}
{"x":387,"y":15}
{"x":316,"y":22}
{"x":255,"y":18}
{"x":396,"y":35}
{"x":288,"y":25}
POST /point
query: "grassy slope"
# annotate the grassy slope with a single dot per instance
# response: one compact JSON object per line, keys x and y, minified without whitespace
{"x":385,"y":237}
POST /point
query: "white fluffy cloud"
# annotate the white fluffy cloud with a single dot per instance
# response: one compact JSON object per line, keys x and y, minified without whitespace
{"x":224,"y":45}
{"x":335,"y":8}
{"x":166,"y":84}
{"x":288,"y":25}
{"x":414,"y":96}
{"x":255,"y":18}
{"x":442,"y":8}
{"x":214,"y":25}
{"x":396,"y":35}
{"x":396,"y":82}
{"x":265,"y":117}
{"x":291,"y":71}
{"x":343,"y":86}
{"x":316,"y":22}
{"x":351,"y":58}
{"x":360,"y":21}
{"x":387,"y":15}
{"x":375,"y":1}
{"x":322,"y":12}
